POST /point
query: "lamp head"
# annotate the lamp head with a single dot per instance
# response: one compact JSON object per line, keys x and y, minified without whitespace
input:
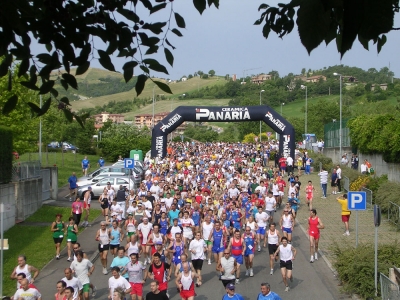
{"x":262,"y":91}
{"x":336,"y":74}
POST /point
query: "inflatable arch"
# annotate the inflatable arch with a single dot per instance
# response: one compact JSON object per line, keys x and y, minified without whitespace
{"x":222,"y":114}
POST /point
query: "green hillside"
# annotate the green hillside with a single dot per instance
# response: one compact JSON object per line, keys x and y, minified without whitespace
{"x":93,"y":76}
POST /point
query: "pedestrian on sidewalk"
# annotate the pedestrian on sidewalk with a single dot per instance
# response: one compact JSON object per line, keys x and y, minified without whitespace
{"x":266,"y":293}
{"x":334,"y":181}
{"x":339,"y":178}
{"x":345,"y":212}
{"x":73,"y":187}
{"x":323,"y":177}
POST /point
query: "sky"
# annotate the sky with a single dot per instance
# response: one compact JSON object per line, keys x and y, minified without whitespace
{"x":226,"y":41}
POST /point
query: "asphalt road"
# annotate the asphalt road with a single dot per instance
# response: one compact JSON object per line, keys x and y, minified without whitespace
{"x":311,"y":280}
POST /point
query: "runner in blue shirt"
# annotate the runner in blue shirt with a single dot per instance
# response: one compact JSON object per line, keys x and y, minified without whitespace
{"x":101,"y":162}
{"x":72,"y":180}
{"x":230,"y":293}
{"x":218,"y":239}
{"x":266,"y":293}
{"x":85,"y":165}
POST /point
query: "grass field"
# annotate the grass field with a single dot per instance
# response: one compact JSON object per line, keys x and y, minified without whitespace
{"x":170,"y":105}
{"x":34,"y":241}
{"x":177,"y":88}
{"x":66,"y":163}
{"x":294,"y":109}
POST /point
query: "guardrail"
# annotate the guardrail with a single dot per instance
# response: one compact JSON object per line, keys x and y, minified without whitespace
{"x":389,"y":289}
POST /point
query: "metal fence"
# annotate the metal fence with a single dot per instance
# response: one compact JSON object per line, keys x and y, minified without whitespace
{"x":394,"y":214}
{"x":389,"y":289}
{"x":346,"y":183}
{"x":25,"y":170}
{"x":369,"y":198}
{"x":46,"y":189}
{"x":332,"y":134}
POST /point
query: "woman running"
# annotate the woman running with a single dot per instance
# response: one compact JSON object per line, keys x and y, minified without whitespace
{"x":314,"y":225}
{"x":72,"y":230}
{"x":57,"y":227}
{"x":103,"y":200}
{"x":130,"y":227}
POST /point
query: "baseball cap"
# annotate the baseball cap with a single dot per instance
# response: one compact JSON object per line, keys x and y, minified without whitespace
{"x":162,"y":201}
{"x":230,"y":286}
{"x":89,"y":187}
{"x":130,"y":214}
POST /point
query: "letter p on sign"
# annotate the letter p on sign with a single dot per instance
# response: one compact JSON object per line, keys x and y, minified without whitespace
{"x":357,"y":201}
{"x":129,"y":163}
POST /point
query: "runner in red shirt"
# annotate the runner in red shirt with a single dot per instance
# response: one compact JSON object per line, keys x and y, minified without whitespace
{"x":314,"y":225}
{"x":282,"y":165}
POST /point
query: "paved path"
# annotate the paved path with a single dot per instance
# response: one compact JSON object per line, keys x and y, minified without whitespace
{"x":311,"y":281}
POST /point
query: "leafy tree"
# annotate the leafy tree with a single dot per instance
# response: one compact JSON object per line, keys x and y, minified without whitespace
{"x":211,"y":73}
{"x":119,"y":139}
{"x":190,"y":76}
{"x":205,"y":76}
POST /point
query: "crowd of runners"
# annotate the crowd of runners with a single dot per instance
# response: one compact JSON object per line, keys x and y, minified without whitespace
{"x":216,"y":203}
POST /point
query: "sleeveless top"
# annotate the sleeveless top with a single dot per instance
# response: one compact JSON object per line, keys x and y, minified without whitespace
{"x":117,"y":235}
{"x":133,"y":248}
{"x":187,"y":282}
{"x":249,"y":241}
{"x":104,"y":238}
{"x":156,"y":239}
{"x":252,"y":226}
{"x":139,"y":216}
{"x":163,"y":226}
{"x":157,"y":217}
{"x":24,"y":270}
{"x":71,"y":236}
{"x":237,"y":247}
{"x":272,"y":237}
{"x":58,"y":297}
{"x":286,"y":253}
{"x":60,"y":230}
{"x":179,"y":249}
{"x":218,"y":238}
{"x":313,"y":225}
{"x":287,"y":222}
{"x":160,"y":276}
{"x":130,"y":227}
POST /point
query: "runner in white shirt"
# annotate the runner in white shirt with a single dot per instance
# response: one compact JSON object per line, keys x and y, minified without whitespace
{"x":82,"y":268}
{"x":155,"y":190}
{"x":261,"y":219}
{"x":144,"y":230}
{"x":262,"y":189}
{"x":188,"y":226}
{"x":197,"y":248}
{"x":72,"y":282}
{"x":117,"y":281}
{"x":287,"y":254}
{"x":27,"y":293}
{"x":270,"y":206}
{"x":116,"y":208}
{"x":206,"y":228}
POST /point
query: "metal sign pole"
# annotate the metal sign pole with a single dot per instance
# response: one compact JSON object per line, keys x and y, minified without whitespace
{"x":356,"y":228}
{"x":376,"y":261}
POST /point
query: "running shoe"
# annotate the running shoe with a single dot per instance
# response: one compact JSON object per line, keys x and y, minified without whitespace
{"x":312,"y":259}
{"x":259,"y":248}
{"x":105,"y":271}
{"x":209,"y":261}
{"x":94,"y":291}
{"x":69,"y":259}
{"x":237,"y":281}
{"x":271,"y":272}
{"x":145,"y":262}
{"x":287,"y":289}
{"x":57,"y":257}
{"x":251,"y":272}
{"x":70,"y":199}
{"x":316,"y":256}
{"x":247,"y":272}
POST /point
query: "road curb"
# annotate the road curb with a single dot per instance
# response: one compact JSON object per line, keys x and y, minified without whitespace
{"x":327,"y":261}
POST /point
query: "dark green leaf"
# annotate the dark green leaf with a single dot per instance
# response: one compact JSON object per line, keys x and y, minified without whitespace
{"x":313,"y":22}
{"x":363,"y":42}
{"x":141,"y":81}
{"x":45,"y":107}
{"x":266,"y":30}
{"x":147,"y":4}
{"x":200,"y":5}
{"x":105,"y":60}
{"x":151,"y":50}
{"x":46,"y":87}
{"x":65,"y":100}
{"x":79,"y":120}
{"x":263,"y":6}
{"x":158,"y":7}
{"x":64,"y":84}
{"x":128,"y":70}
{"x":215,"y":2}
{"x":351,"y":24}
{"x":381,"y":42}
{"x":155,"y":27}
{"x":163,"y":87}
{"x":152,"y":41}
{"x":259,"y":21}
{"x":10,"y":104}
{"x":5,"y":65}
{"x":159,"y":68}
{"x":71,"y":80}
{"x":66,"y":64}
{"x":169,"y":44}
{"x":36,"y":109}
{"x":377,"y":18}
{"x":130,"y":15}
{"x":9,"y":85}
{"x":29,"y":85}
{"x":180,"y":21}
{"x":68,"y":114}
{"x":169,"y":57}
{"x":23,"y":67}
{"x":82,"y":68}
{"x":332,"y":32}
{"x":177,"y":32}
{"x":44,"y":58}
{"x":32,"y":74}
{"x":54,"y":92}
{"x":49,"y":47}
{"x":145,"y":69}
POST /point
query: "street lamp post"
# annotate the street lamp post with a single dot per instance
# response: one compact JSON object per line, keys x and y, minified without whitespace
{"x":306,"y":112}
{"x":282,"y":104}
{"x":262,"y":91}
{"x":153,"y":107}
{"x":340,"y":117}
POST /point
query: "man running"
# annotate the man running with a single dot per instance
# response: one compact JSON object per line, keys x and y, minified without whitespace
{"x":83,"y":268}
{"x":227,"y":266}
{"x":266,"y":293}
{"x":218,"y":237}
{"x":287,"y":224}
{"x":160,"y":272}
{"x":314,"y":225}
{"x":73,"y":187}
{"x":273,"y":237}
{"x":72,"y":282}
{"x":103,"y":236}
{"x":249,"y":240}
{"x":23,"y":267}
{"x":85,"y":165}
{"x":261,"y":219}
{"x":134,"y":269}
{"x":287,"y":254}
{"x":87,"y":198}
{"x":236,"y":244}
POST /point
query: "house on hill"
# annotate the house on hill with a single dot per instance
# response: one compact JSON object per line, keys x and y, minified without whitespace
{"x":311,"y":79}
{"x":100,"y":119}
{"x":260,"y":78}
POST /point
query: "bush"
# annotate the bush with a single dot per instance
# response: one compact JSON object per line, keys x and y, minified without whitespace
{"x":6,"y":156}
{"x":387,"y":192}
{"x":350,"y":173}
{"x":359,"y":183}
{"x":355,"y":266}
{"x":374,"y":184}
{"x":317,"y":158}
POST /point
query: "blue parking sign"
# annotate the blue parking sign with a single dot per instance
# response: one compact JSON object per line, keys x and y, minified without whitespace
{"x":129,"y":163}
{"x":357,"y":201}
